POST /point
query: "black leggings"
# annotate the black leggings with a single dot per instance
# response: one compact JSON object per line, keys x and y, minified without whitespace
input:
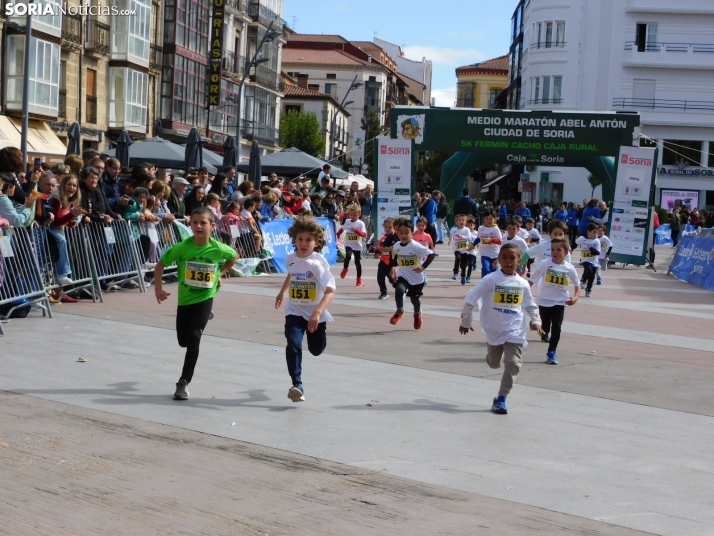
{"x":470,"y":264}
{"x":401,"y":289}
{"x":589,"y":272}
{"x":674,"y":233}
{"x":572,"y":234}
{"x":460,"y":261}
{"x":552,"y":318}
{"x":358,"y":259}
{"x":383,"y":271}
{"x":191,"y":320}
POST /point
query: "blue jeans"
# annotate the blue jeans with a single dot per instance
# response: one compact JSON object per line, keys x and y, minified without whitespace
{"x":487,"y":266}
{"x":62,"y":267}
{"x":295,"y":328}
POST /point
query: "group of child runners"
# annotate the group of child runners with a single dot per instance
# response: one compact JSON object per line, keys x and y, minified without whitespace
{"x":503,"y":295}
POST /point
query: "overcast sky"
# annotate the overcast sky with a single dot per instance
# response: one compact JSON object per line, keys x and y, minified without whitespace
{"x":448,"y":32}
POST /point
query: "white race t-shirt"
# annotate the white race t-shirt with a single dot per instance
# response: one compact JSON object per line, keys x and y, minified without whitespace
{"x":517,"y":240}
{"x":585,"y":244}
{"x":605,"y":244}
{"x":541,"y":251}
{"x":523,"y":233}
{"x":487,"y":246}
{"x":247,"y":215}
{"x":553,"y":281}
{"x":501,"y":300}
{"x":352,"y":239}
{"x":533,"y":236}
{"x":309,"y":277}
{"x":461,"y":239}
{"x":409,"y":257}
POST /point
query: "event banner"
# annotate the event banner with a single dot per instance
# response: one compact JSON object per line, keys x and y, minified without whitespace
{"x":672,"y":199}
{"x":694,"y":261}
{"x":630,"y":221}
{"x":278,"y":242}
{"x":394,"y":179}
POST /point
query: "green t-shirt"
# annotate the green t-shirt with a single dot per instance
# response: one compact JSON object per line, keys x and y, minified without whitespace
{"x":198,"y":268}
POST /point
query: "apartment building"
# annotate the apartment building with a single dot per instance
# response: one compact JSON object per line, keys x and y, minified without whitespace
{"x":654,"y":57}
{"x":478,"y":85}
{"x":418,"y":71}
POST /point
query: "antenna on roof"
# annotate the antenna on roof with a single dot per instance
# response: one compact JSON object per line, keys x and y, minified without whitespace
{"x":376,"y":33}
{"x":295,"y":21}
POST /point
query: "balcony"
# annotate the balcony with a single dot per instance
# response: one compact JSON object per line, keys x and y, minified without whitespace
{"x":545,"y":45}
{"x":155,"y":56}
{"x":252,"y":130}
{"x":62,"y":108}
{"x":669,"y":55}
{"x":663,"y":104}
{"x":71,"y":32}
{"x":233,"y":64}
{"x":265,"y":16}
{"x":98,"y":40}
{"x":91,"y":109}
{"x":542,"y":102}
{"x":267,"y":78}
{"x":235,"y":5}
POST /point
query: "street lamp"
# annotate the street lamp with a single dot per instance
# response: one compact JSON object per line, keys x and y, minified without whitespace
{"x":255,"y":61}
{"x":353,"y":85}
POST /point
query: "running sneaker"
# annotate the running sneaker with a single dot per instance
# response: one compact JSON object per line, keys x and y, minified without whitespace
{"x":396,"y":317}
{"x":181,"y":390}
{"x":551,"y":358}
{"x":598,"y":282}
{"x":296,"y":393}
{"x":463,"y":280}
{"x":456,"y":276}
{"x":418,"y":321}
{"x":343,"y":273}
{"x":210,"y":315}
{"x":384,"y":296}
{"x":64,"y":281}
{"x":587,"y":293}
{"x":359,"y":282}
{"x":544,"y":338}
{"x":468,"y":280}
{"x":499,"y":405}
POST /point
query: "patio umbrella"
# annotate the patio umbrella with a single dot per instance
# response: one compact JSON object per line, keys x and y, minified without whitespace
{"x":292,"y":162}
{"x":194,"y":150}
{"x":122,"y":150}
{"x":161,"y":152}
{"x":73,"y":134}
{"x":254,"y":168}
{"x":230,"y":153}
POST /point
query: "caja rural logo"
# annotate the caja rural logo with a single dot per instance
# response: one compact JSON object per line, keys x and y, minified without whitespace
{"x":627,"y":159}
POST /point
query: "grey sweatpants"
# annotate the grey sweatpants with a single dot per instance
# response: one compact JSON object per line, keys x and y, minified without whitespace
{"x":509,"y":355}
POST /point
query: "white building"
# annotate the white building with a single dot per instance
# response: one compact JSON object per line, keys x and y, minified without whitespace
{"x":419,"y":70}
{"x":655,"y":57}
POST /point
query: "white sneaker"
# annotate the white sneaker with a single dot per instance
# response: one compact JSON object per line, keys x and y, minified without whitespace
{"x":296,"y":393}
{"x":65,"y":281}
{"x":149,"y":265}
{"x":130,"y":284}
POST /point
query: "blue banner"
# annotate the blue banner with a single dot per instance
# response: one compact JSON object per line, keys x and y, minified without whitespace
{"x":694,"y":261}
{"x":277,"y":238}
{"x":663,"y":234}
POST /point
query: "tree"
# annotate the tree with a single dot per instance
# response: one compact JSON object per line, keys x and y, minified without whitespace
{"x":432,"y":165}
{"x":302,"y":130}
{"x":594,"y":182}
{"x":373,"y":128}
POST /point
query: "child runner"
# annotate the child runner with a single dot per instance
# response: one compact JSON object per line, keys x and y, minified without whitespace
{"x":605,"y":249}
{"x":310,"y":287}
{"x":590,"y":251}
{"x":408,"y":270}
{"x":501,"y":297}
{"x":533,"y":238}
{"x":553,"y":277}
{"x":473,"y":251}
{"x":460,"y":240}
{"x":489,"y":240}
{"x":522,"y":231}
{"x":355,"y":231}
{"x":384,"y":247}
{"x":199,"y":277}
{"x":512,"y":228}
{"x":541,"y":251}
{"x":423,"y":238}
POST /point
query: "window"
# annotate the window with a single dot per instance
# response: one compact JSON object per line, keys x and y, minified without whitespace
{"x":331,"y":89}
{"x":293,"y":108}
{"x":548,"y":34}
{"x":465,"y":92}
{"x":493,"y":95}
{"x":131,"y":34}
{"x":44,"y":75}
{"x":183,"y":90}
{"x":682,"y":151}
{"x":643,"y":93}
{"x":557,"y":89}
{"x":192,"y":23}
{"x":646,"y":37}
{"x":91,"y":100}
{"x":547,"y":90}
{"x":50,"y":24}
{"x":224,"y":118}
{"x":536,"y":89}
{"x":331,"y":76}
{"x":128,"y":94}
{"x":314,"y":87}
{"x":560,"y":33}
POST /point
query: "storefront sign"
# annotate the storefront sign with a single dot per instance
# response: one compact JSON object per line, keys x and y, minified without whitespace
{"x":683,"y":168}
{"x":215,"y":57}
{"x":672,"y":199}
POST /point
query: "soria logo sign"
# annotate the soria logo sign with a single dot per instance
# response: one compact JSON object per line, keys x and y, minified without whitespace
{"x":395,"y":150}
{"x":627,"y":159}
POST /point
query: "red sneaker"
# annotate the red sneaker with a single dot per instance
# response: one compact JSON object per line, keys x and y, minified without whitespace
{"x":343,"y":273}
{"x":359,"y":282}
{"x":417,"y":321}
{"x":68,"y":299}
{"x":396,"y":317}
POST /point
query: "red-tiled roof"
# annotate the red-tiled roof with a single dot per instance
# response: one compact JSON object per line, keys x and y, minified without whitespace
{"x":297,"y":91}
{"x":494,"y":64}
{"x":317,"y":38}
{"x":293,"y":56}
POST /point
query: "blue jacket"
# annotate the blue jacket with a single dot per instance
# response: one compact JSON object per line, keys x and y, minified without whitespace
{"x":466,"y":205}
{"x":573,"y":217}
{"x":266,"y":212}
{"x":17,"y":217}
{"x":110,"y":187}
{"x":503,"y":211}
{"x":430,"y":210}
{"x":524,"y":212}
{"x":589,"y":211}
{"x":561,"y":215}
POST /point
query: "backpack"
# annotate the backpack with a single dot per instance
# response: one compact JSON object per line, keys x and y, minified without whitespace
{"x":443,"y":210}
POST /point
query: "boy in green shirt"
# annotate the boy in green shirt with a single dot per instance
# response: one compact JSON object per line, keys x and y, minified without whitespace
{"x":199,"y":259}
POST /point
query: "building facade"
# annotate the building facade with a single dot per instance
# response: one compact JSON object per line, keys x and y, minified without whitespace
{"x":478,"y":85}
{"x":646,"y":56}
{"x":416,"y":70}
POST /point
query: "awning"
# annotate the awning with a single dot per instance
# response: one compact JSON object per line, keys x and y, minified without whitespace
{"x":9,"y":135}
{"x":486,"y":186}
{"x":41,"y":139}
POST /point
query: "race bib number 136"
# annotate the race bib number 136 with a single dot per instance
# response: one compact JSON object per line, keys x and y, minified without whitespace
{"x":199,"y":274}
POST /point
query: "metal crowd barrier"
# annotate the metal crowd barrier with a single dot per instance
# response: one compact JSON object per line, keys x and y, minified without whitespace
{"x":117,"y":254}
{"x":239,"y":235}
{"x":21,"y":281}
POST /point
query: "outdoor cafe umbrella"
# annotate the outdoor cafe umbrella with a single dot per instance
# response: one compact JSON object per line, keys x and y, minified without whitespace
{"x":73,"y":135}
{"x":161,"y":152}
{"x":194,"y":150}
{"x":230,"y":153}
{"x":292,"y":162}
{"x":254,"y":168}
{"x":122,"y":150}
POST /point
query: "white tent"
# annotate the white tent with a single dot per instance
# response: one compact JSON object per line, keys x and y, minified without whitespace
{"x":360,"y":179}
